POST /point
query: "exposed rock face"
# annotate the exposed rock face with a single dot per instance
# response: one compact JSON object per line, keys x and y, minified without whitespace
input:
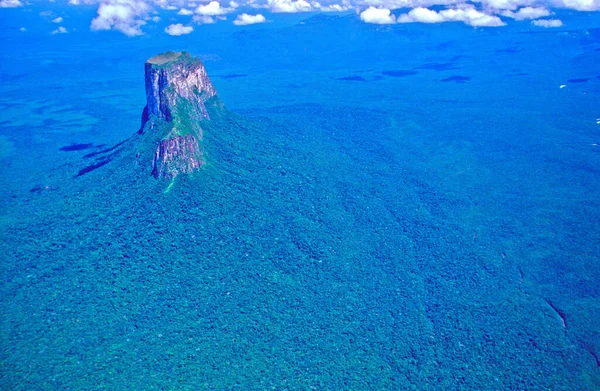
{"x":177,"y":88}
{"x":175,"y":155}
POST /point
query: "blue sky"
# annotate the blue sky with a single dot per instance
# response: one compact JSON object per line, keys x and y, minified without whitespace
{"x":133,"y":17}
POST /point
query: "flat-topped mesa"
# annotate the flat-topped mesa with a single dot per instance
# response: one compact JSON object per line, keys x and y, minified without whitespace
{"x":177,"y":88}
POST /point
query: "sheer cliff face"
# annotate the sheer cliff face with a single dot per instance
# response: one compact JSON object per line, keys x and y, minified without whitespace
{"x":177,"y":88}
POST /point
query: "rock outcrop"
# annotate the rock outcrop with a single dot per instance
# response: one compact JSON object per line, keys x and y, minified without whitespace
{"x":175,"y":155}
{"x":177,"y":91}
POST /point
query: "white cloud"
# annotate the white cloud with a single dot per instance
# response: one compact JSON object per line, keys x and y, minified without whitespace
{"x":289,"y":6}
{"x":60,"y":30}
{"x":10,"y":3}
{"x":547,"y":23}
{"x":245,"y":19}
{"x":526,"y":13}
{"x":330,"y":7}
{"x":486,"y":6}
{"x":467,"y":15}
{"x":505,"y":4}
{"x":169,"y":5}
{"x":23,"y":29}
{"x":212,"y":9}
{"x":122,"y":15}
{"x":57,"y":20}
{"x":421,"y":15}
{"x":377,"y":16}
{"x":178,"y":29}
{"x":203,"y":19}
{"x":472,"y":17}
{"x":579,"y":5}
{"x":396,"y":4}
{"x":129,"y":16}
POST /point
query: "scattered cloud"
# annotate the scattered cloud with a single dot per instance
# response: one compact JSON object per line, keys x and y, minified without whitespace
{"x":203,"y":19}
{"x":10,"y":3}
{"x":579,"y":5}
{"x":170,"y":5}
{"x":467,"y":15}
{"x":377,"y":16}
{"x":129,"y":16}
{"x":122,"y":15}
{"x":23,"y":29}
{"x":505,"y":4}
{"x":79,"y":2}
{"x":178,"y":29}
{"x":60,"y":30}
{"x":245,"y":19}
{"x":331,"y":7}
{"x":526,"y":13}
{"x":472,"y":17}
{"x":548,"y":23}
{"x":289,"y":6}
{"x":214,"y":8}
{"x":396,"y":4}
{"x":293,"y":6}
{"x":165,"y":4}
{"x":421,"y":15}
